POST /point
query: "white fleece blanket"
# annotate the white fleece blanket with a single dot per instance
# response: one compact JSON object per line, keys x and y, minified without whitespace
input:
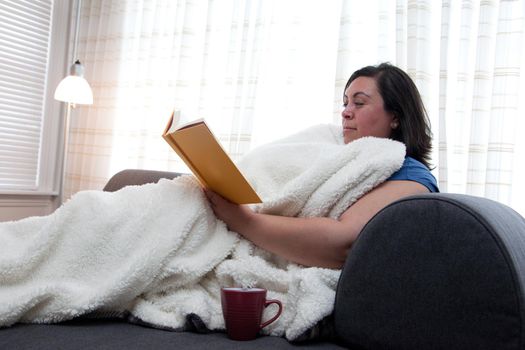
{"x":158,"y":252}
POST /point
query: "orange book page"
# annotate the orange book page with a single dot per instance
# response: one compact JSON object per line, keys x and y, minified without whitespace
{"x":210,"y":163}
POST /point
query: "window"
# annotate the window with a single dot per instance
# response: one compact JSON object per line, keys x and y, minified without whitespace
{"x":32,"y":45}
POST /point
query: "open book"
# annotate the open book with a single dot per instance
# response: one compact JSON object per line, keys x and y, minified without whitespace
{"x":199,"y":149}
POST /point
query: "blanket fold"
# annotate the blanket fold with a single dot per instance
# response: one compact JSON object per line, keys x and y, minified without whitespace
{"x":157,"y":251}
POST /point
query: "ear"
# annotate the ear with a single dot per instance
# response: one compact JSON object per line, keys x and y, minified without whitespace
{"x":394,"y":124}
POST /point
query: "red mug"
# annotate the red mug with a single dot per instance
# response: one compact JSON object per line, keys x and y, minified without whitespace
{"x":242,"y":309}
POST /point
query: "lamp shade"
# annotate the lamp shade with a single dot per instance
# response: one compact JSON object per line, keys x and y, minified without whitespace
{"x":74,"y":88}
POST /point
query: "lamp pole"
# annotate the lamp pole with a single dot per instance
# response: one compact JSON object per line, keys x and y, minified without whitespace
{"x":65,"y":147}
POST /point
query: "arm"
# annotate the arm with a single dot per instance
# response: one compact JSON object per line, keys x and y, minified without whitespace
{"x":322,"y":242}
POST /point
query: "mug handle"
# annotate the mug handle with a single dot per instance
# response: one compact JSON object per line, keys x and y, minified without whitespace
{"x":266,"y":304}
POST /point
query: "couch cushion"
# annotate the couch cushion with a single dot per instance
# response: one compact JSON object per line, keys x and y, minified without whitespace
{"x":115,"y":334}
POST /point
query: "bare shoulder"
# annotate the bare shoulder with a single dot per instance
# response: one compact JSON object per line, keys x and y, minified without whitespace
{"x":367,"y":206}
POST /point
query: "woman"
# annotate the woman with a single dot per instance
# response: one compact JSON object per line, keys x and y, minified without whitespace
{"x":380,"y":101}
{"x":126,"y":252}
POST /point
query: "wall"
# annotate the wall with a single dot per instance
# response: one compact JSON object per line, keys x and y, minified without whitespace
{"x":15,"y":207}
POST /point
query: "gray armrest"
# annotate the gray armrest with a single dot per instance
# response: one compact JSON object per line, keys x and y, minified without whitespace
{"x":436,"y":271}
{"x":136,"y":177}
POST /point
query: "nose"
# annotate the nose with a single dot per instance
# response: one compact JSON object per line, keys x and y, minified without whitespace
{"x":347,"y":113}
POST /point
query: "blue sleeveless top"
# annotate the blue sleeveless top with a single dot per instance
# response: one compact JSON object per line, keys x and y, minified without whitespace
{"x":413,"y":170}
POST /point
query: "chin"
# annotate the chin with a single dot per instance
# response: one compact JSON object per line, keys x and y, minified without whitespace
{"x":349,"y":135}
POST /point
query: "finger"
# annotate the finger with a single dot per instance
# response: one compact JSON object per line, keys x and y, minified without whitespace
{"x":212,"y":197}
{"x":207,"y":193}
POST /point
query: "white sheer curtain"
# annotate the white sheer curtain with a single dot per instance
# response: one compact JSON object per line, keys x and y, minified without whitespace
{"x":481,"y":112}
{"x":256,"y":70}
{"x":261,"y":69}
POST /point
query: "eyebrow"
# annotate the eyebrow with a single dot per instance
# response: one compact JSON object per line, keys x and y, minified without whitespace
{"x":357,"y":94}
{"x":360,"y":93}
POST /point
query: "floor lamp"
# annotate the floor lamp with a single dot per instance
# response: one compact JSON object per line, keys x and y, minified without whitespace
{"x":73,"y":89}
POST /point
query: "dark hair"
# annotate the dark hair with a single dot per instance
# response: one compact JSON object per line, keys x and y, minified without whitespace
{"x":402,"y":99}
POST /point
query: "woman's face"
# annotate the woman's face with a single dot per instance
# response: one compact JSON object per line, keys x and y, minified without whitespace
{"x":363,"y":113}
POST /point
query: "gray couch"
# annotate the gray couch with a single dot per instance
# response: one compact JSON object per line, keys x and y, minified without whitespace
{"x":436,"y":271}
